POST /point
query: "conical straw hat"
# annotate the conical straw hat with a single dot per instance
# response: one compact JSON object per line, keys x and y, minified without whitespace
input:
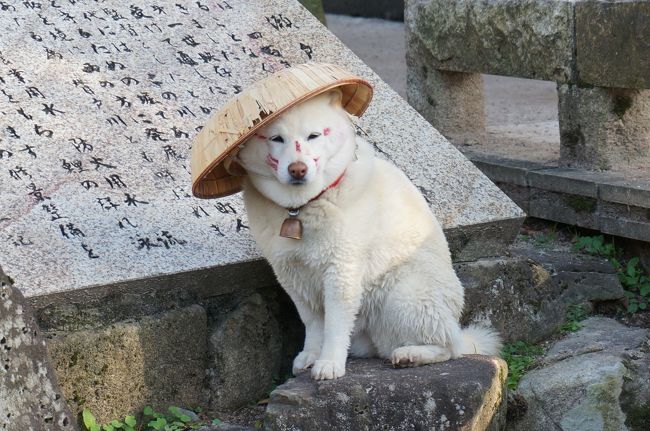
{"x":213,"y":172}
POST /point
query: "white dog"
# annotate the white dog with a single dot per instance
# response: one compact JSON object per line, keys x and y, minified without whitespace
{"x":372,"y":274}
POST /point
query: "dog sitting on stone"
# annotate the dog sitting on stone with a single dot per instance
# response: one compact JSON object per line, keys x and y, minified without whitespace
{"x":371,"y":275}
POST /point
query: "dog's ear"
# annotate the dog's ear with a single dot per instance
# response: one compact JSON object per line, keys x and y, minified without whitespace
{"x":335,"y":97}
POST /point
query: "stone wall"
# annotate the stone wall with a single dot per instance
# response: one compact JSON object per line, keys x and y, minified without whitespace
{"x":219,"y":352}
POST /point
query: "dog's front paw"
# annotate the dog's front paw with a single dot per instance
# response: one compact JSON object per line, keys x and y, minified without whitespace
{"x":327,"y":370}
{"x":304,"y":360}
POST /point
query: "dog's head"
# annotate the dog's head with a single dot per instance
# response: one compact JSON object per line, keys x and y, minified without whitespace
{"x":307,"y":148}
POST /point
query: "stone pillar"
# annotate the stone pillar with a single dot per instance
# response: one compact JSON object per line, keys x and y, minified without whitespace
{"x":604,"y":128}
{"x":453,"y":102}
{"x":30,"y":398}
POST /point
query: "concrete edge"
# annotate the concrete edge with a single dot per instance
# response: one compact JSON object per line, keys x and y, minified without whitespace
{"x":612,"y":201}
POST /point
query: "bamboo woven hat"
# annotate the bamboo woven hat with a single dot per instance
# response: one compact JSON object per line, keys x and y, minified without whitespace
{"x":214,"y":172}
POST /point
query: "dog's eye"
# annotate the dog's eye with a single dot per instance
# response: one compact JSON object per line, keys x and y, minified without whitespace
{"x":313,"y":136}
{"x":278,"y":138}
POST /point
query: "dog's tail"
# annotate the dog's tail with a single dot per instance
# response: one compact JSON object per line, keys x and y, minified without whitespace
{"x":478,"y":339}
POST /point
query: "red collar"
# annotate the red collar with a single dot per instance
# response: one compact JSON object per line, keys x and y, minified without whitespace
{"x":330,"y":187}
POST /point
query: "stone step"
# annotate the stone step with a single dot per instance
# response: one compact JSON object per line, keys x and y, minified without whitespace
{"x":614,"y":203}
{"x":467,"y":393}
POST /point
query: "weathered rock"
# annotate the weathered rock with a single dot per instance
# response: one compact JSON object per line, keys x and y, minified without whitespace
{"x":528,"y":39}
{"x":467,"y":393}
{"x":595,"y":379}
{"x":611,"y":48}
{"x":525,"y":296}
{"x":515,"y":295}
{"x":30,"y":398}
{"x":118,"y":369}
{"x":245,"y":352}
{"x":581,"y":277}
{"x":604,"y":128}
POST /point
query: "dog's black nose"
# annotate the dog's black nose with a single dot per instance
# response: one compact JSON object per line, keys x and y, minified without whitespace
{"x":297,"y":170}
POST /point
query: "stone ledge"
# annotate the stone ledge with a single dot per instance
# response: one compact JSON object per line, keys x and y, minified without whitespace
{"x":532,"y":39}
{"x":568,"y":41}
{"x":604,"y":201}
{"x":467,"y":393}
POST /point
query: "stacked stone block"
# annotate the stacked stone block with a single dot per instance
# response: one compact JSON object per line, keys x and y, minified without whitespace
{"x":594,"y":50}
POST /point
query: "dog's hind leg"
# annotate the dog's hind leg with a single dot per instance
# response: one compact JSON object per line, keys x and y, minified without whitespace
{"x":361,"y":346}
{"x":419,"y":355}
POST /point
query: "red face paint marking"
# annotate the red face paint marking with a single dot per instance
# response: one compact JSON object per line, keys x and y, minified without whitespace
{"x":326,"y":131}
{"x":298,"y":149}
{"x":273,"y":163}
{"x":261,"y":136}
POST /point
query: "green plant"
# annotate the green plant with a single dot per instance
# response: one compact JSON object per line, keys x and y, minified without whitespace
{"x":595,"y":245}
{"x":574,"y":315}
{"x":637,"y":285}
{"x":128,"y":424}
{"x":175,"y":420}
{"x":631,"y":275}
{"x":520,"y":356}
{"x":544,"y":239}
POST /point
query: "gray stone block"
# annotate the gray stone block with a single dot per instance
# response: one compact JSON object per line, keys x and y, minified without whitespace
{"x":30,"y":397}
{"x":453,"y":102}
{"x":468,"y":243}
{"x":244,"y":355}
{"x":611,"y":43}
{"x":625,"y":227}
{"x":528,"y":39}
{"x":628,"y":192}
{"x":466,"y":393}
{"x":564,"y":208}
{"x":117,"y":370}
{"x":570,"y":181}
{"x":604,"y":128}
{"x":596,"y":379}
{"x":517,"y":296}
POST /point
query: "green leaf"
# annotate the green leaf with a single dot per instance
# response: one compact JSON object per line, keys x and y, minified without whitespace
{"x":88,"y":418}
{"x":632,"y":307}
{"x":215,"y":422}
{"x":175,"y":411}
{"x":108,"y":427}
{"x":95,"y":427}
{"x":130,"y":421}
{"x":643,"y":305}
{"x":644,"y":290}
{"x":158,"y":424}
{"x":148,"y":411}
{"x":117,"y":424}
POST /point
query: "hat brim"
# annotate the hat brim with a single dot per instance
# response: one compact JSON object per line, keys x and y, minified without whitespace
{"x":256,"y":107}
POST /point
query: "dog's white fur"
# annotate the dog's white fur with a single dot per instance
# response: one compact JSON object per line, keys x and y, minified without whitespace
{"x":372,"y":275}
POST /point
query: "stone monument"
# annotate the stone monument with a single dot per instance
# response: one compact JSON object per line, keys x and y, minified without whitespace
{"x":99,"y":106}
